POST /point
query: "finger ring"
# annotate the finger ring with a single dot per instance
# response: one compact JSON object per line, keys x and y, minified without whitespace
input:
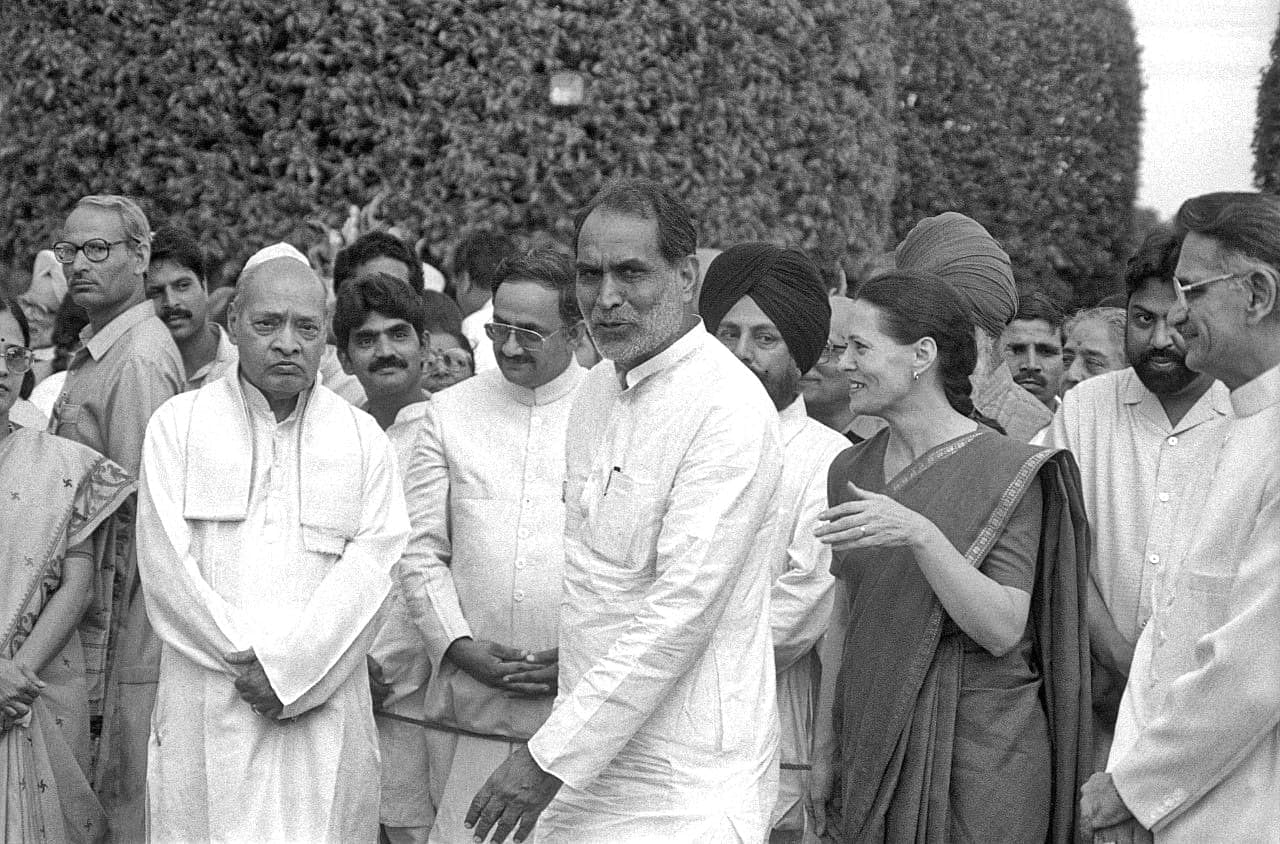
{"x":862,"y":529}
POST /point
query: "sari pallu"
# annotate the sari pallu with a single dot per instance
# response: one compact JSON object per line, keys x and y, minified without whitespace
{"x":54,"y":494}
{"x":937,"y":736}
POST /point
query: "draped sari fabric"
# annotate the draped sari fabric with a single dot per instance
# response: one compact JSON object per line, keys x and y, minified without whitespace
{"x":54,"y":494}
{"x":939,"y":740}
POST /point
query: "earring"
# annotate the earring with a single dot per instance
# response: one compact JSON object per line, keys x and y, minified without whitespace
{"x":915,"y":376}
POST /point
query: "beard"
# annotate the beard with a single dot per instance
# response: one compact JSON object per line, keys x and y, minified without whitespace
{"x":1163,"y":382}
{"x":650,"y":332}
{"x":782,"y":387}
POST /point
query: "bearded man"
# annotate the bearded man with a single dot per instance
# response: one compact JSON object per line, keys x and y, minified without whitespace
{"x":1146,"y":438}
{"x":665,"y":726}
{"x":769,"y":307}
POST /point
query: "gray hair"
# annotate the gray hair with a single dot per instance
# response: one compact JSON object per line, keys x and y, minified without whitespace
{"x":1113,"y":318}
{"x":134,"y":222}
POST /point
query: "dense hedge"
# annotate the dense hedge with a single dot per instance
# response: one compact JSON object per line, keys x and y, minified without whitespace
{"x":242,"y":118}
{"x":1024,"y":114}
{"x":1266,"y":137}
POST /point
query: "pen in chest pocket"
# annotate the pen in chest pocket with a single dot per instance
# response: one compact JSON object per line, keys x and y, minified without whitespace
{"x":616,"y":470}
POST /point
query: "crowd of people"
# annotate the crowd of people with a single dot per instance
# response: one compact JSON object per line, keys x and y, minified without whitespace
{"x":632,"y":541}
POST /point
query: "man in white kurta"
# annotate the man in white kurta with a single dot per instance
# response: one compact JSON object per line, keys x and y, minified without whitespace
{"x":270,"y":516}
{"x":1146,"y":438}
{"x":1196,"y":755}
{"x":379,"y":326}
{"x":769,"y":307}
{"x":484,"y":568}
{"x":665,"y":726}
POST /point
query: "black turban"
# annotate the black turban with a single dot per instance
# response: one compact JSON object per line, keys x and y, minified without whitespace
{"x":785,"y":284}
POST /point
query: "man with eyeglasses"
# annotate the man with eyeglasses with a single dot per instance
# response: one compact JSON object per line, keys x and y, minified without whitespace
{"x":484,"y":568}
{"x":126,"y":367}
{"x":825,"y":387}
{"x":1146,"y":437}
{"x":1198,"y":735}
{"x":769,"y":307}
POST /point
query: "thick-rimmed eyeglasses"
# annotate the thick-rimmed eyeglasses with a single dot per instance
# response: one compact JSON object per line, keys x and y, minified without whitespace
{"x":96,"y":250}
{"x":1181,"y":287}
{"x":526,"y":338}
{"x":18,"y":359}
{"x":831,"y":353}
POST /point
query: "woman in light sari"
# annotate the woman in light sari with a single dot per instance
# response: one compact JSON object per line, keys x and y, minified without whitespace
{"x":53,"y":496}
{"x":957,"y":684}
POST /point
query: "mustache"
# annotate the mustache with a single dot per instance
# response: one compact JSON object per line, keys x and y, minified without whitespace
{"x":392,"y":362}
{"x":1030,"y":378}
{"x":1161,"y":356}
{"x":166,"y":313}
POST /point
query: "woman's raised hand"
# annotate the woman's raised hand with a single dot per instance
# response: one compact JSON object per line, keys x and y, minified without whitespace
{"x":870,"y":520}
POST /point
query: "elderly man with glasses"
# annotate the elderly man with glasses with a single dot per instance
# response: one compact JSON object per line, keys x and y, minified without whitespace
{"x":1198,"y":734}
{"x":483,"y":571}
{"x":126,"y":367}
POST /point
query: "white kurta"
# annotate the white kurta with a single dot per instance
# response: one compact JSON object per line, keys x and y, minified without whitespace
{"x":401,"y":651}
{"x":1196,"y":755}
{"x":304,"y":599}
{"x":486,"y":560}
{"x":1143,"y":482}
{"x":802,"y":596}
{"x":666,"y":724}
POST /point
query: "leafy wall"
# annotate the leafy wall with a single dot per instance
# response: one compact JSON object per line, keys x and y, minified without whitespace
{"x":1266,"y":138}
{"x":242,"y":119}
{"x":1025,"y":115}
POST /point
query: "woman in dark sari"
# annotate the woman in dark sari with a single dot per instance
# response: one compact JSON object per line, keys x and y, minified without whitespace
{"x":958,"y":681}
{"x":54,"y":494}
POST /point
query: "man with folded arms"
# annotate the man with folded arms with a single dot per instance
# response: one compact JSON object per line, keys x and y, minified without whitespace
{"x":269,"y":519}
{"x":485,"y":566}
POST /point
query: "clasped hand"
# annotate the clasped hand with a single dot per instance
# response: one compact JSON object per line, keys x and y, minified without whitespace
{"x":870,"y":520}
{"x":531,"y":674}
{"x":19,"y":688}
{"x":253,"y":685}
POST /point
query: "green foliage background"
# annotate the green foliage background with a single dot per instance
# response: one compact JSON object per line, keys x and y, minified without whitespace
{"x":251,"y":121}
{"x":242,"y":118}
{"x":1266,"y":137}
{"x":1025,"y":115}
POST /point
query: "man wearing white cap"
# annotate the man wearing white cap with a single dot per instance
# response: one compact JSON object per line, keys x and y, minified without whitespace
{"x":270,"y":515}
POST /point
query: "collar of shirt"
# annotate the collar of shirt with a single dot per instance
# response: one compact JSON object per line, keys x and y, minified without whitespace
{"x":1259,"y":394}
{"x":412,"y":412}
{"x":791,"y":419}
{"x":257,"y":403}
{"x":223,"y":354}
{"x":554,"y":390}
{"x":98,"y":343}
{"x":684,"y":346}
{"x":1215,"y":402}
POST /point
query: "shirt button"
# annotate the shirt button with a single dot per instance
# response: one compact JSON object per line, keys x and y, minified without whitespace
{"x":535,"y":421}
{"x":519,"y":564}
{"x":1153,"y":559}
{"x":518,"y":595}
{"x":1164,"y":496}
{"x":1172,"y":441}
{"x":522,"y":533}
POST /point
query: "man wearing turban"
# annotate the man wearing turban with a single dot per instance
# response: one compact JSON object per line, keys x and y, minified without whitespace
{"x":769,"y":307}
{"x":961,"y":252}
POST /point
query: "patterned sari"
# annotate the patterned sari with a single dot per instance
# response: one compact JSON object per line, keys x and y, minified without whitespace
{"x":939,"y":740}
{"x":54,"y":494}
